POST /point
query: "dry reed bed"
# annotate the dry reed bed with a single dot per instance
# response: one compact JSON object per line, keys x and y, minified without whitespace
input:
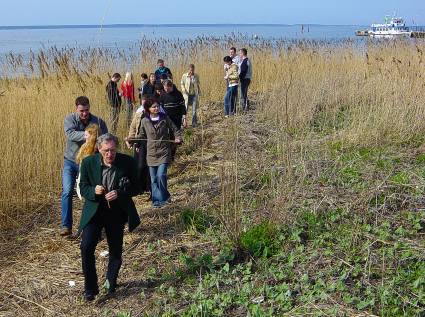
{"x":378,"y":87}
{"x":36,"y":272}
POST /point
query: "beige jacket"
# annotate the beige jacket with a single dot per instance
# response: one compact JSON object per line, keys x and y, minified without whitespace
{"x":135,"y":124}
{"x":185,"y":84}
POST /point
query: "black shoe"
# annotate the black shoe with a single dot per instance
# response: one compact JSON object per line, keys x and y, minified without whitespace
{"x":111,"y":290}
{"x":90,"y":296}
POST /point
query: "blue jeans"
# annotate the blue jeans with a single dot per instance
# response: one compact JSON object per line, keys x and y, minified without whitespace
{"x":193,"y":101}
{"x":244,"y":93}
{"x":230,"y":100}
{"x":69,"y":177}
{"x":160,"y":194}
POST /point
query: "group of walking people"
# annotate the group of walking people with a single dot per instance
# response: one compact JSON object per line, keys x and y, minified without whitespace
{"x":159,"y":85}
{"x":107,"y":180}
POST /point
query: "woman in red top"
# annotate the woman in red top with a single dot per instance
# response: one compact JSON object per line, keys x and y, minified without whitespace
{"x":127,"y":88}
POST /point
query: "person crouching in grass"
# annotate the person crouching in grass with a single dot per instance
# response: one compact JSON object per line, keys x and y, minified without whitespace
{"x":161,"y":133}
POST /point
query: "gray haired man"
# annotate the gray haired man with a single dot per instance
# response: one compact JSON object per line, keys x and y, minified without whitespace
{"x":108,"y":183}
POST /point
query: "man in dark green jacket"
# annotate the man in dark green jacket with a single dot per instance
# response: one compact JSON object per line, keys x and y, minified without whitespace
{"x":108,"y":181}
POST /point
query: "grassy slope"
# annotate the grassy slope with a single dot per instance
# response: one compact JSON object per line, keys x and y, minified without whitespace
{"x":348,"y":240}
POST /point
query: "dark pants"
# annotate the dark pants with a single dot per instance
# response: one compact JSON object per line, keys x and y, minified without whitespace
{"x":244,"y":93}
{"x":143,"y":176}
{"x":113,"y":222}
{"x":114,"y":116}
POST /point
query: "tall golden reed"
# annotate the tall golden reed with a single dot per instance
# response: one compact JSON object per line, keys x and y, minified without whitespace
{"x":378,"y":88}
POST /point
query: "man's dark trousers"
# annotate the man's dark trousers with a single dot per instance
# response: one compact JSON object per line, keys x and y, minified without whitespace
{"x":113,"y":221}
{"x":244,"y":83}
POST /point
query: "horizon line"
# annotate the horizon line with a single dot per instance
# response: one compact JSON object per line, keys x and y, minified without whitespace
{"x":62,"y":26}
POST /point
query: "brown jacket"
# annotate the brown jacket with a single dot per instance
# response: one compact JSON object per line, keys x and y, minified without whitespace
{"x":158,"y":145}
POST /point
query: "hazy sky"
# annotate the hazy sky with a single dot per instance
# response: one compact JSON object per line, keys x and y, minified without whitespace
{"x":53,"y":12}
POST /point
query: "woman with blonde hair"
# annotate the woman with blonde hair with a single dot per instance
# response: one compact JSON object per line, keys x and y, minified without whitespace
{"x":191,"y":90}
{"x":127,"y":89}
{"x":88,"y":148}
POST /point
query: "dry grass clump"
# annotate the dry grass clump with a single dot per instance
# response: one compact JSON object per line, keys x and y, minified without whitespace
{"x":366,"y":95}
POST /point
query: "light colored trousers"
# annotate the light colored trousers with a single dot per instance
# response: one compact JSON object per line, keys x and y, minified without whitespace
{"x":192,"y":100}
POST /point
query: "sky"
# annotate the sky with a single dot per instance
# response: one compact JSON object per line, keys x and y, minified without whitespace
{"x":331,"y":12}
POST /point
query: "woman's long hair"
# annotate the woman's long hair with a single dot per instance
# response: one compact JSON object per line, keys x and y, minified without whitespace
{"x":89,"y":147}
{"x":128,"y":78}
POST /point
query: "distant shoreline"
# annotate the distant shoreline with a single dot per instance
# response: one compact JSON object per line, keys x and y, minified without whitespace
{"x":96,"y":26}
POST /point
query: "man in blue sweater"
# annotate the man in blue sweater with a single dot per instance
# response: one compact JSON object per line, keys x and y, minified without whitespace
{"x":162,"y":70}
{"x":74,"y":126}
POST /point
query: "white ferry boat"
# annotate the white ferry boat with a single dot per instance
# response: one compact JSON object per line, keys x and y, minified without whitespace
{"x":393,"y":27}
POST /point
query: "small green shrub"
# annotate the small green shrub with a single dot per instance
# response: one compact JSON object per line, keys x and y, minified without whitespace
{"x":350,"y":175}
{"x":197,"y":264}
{"x":194,"y":219}
{"x":260,"y":240}
{"x":401,"y":178}
{"x":420,"y":159}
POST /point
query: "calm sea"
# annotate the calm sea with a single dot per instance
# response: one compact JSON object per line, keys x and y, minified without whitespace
{"x":20,"y":40}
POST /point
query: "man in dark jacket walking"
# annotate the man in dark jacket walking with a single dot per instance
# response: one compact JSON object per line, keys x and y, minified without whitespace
{"x":173,"y":103}
{"x":114,"y":98}
{"x":108,"y":181}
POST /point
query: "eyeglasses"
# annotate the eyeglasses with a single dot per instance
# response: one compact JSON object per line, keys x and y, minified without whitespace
{"x":108,"y":150}
{"x":154,"y":106}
